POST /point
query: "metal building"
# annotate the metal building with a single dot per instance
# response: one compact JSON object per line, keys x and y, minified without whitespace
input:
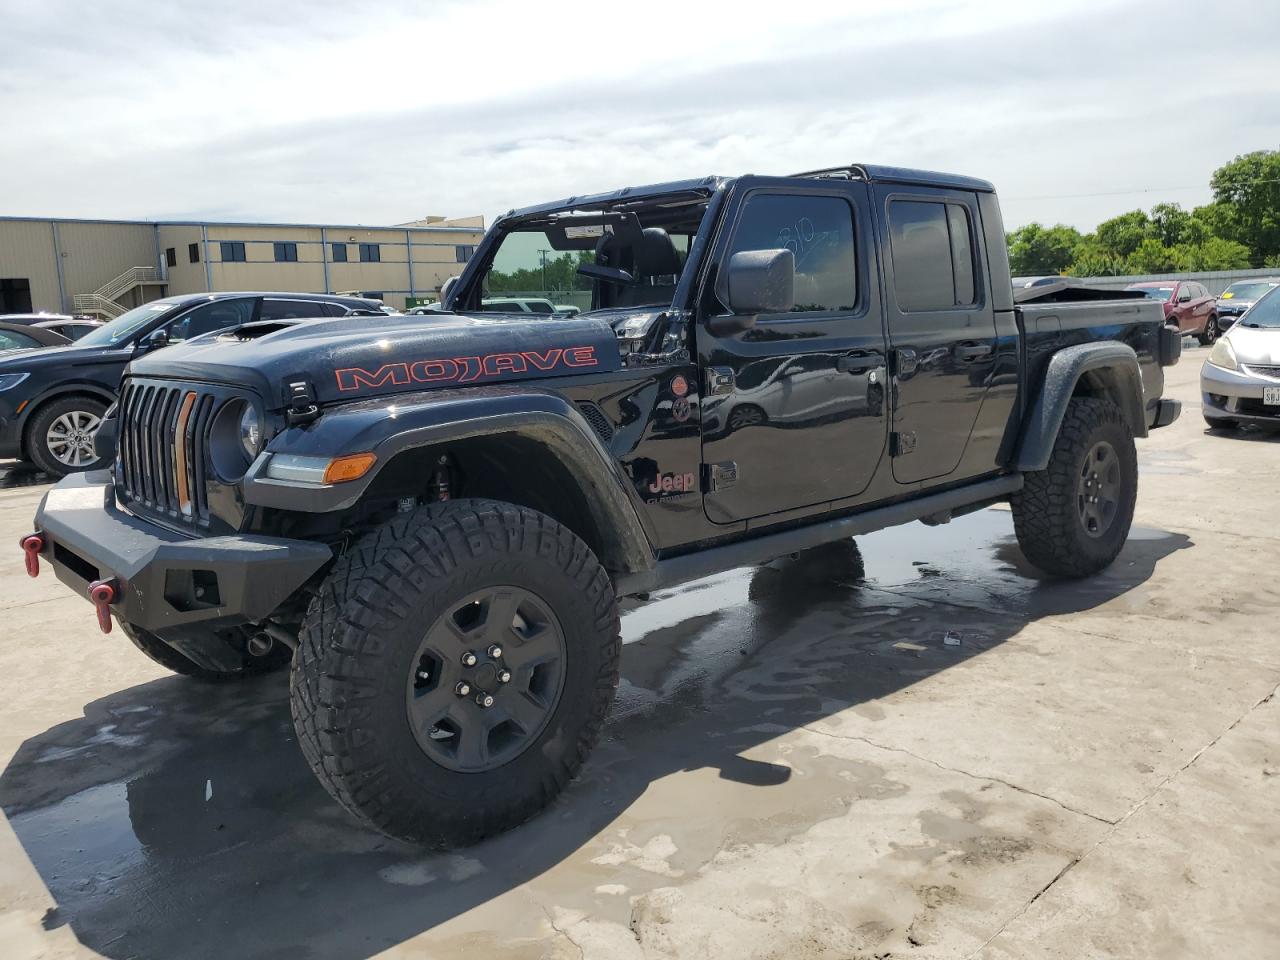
{"x":105,"y":267}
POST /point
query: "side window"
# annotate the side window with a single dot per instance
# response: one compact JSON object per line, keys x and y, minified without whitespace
{"x":339,"y":253}
{"x":286,"y":252}
{"x":369,"y":253}
{"x":193,"y":252}
{"x":211,"y":316}
{"x":538,"y":306}
{"x":171,"y":256}
{"x":463,"y":252}
{"x":12,"y":340}
{"x":818,"y":231}
{"x":290,"y":309}
{"x":933,"y":258}
{"x":232,"y":251}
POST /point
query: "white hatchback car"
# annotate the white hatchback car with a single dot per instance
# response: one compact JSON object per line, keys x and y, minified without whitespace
{"x":1240,"y":382}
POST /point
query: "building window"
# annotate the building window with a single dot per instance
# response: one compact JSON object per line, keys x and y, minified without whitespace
{"x":232,"y":251}
{"x":171,"y":257}
{"x":339,"y":253}
{"x":286,"y":252}
{"x":464,"y":252}
{"x":193,"y":252}
{"x":370,"y":253}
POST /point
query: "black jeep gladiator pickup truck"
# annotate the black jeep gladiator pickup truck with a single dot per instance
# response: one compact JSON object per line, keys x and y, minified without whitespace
{"x":430,"y":520}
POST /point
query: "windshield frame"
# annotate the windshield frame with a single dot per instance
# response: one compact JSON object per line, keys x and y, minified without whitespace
{"x":131,"y":324}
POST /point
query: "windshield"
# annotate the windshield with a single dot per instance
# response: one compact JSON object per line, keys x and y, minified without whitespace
{"x":1155,"y":293}
{"x":1266,"y":312}
{"x":1250,"y":290}
{"x":556,"y":264}
{"x":126,"y":325}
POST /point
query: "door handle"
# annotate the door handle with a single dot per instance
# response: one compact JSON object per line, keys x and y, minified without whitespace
{"x":859,"y":361}
{"x":974,"y":351}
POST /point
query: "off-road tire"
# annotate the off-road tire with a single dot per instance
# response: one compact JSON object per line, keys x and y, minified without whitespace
{"x":358,"y":645}
{"x":156,"y":649}
{"x":36,"y":448}
{"x":1046,"y":514}
{"x":1211,"y":332}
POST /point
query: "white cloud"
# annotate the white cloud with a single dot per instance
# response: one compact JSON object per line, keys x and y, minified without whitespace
{"x":383,"y":112}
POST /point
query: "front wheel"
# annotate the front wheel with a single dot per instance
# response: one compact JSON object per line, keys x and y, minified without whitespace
{"x":60,"y":438}
{"x":1073,"y":517}
{"x":1211,"y":332}
{"x":455,"y":670}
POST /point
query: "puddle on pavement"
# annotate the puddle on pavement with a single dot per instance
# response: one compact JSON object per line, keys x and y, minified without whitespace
{"x":170,"y":807}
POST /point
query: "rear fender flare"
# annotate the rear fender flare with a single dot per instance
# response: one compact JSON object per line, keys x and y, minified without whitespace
{"x":393,"y":426}
{"x":1110,"y":369}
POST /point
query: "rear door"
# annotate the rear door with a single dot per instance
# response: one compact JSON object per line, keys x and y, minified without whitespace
{"x":942,"y":330}
{"x":793,"y":408}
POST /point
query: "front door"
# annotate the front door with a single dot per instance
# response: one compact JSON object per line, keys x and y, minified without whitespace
{"x":942,"y":330}
{"x":793,"y":410}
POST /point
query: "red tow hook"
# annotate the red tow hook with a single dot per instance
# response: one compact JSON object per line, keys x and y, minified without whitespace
{"x":31,"y":545}
{"x":103,"y":594}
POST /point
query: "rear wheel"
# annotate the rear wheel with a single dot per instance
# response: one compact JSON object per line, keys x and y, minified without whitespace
{"x":60,"y":437}
{"x":1073,"y":517}
{"x":1210,"y":333}
{"x":455,"y":670}
{"x":256,"y":656}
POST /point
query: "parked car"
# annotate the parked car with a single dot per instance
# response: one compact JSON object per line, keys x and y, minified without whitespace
{"x":1240,"y":382}
{"x":430,"y":523}
{"x":1022,"y":283}
{"x":1187,"y":305}
{"x":73,"y":328}
{"x":15,"y":336}
{"x":1240,"y":296}
{"x":52,"y":400}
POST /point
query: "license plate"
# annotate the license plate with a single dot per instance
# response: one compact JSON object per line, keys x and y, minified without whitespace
{"x":1271,"y":396}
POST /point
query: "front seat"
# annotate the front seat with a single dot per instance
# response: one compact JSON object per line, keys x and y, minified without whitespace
{"x":656,"y":272}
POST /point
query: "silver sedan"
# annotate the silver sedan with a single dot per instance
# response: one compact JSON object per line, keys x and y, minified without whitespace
{"x":1240,"y":382}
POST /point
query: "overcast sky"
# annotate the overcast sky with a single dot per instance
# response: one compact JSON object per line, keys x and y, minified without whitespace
{"x":310,"y":110}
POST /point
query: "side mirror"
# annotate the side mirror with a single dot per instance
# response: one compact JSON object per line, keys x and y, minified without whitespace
{"x":154,"y":341}
{"x":761,"y":281}
{"x":445,"y":288}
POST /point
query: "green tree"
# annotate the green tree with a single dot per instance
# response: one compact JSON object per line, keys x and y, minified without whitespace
{"x":1151,"y":256}
{"x":1214,"y":253}
{"x":1122,"y":235}
{"x":1250,"y":185}
{"x":1093,"y":261}
{"x":1037,"y":250}
{"x":1172,"y":224}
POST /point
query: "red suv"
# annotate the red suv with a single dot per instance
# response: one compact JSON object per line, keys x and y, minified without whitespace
{"x":1187,"y":305}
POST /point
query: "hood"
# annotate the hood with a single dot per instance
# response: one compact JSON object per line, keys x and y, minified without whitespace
{"x":357,"y":357}
{"x":1255,"y":344}
{"x":25,"y":358}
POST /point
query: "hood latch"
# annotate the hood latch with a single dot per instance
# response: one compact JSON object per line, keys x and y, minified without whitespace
{"x":300,"y":401}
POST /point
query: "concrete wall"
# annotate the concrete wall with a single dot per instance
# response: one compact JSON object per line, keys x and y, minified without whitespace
{"x":1215,"y":281}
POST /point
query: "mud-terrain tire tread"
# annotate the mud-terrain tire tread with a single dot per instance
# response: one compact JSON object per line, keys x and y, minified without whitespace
{"x":1044,"y":510}
{"x":169,"y":658}
{"x":34,"y":447}
{"x":342,"y":648}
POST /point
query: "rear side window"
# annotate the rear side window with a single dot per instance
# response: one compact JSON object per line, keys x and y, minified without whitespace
{"x":933,"y":258}
{"x":217,"y":315}
{"x":819,"y":232}
{"x":290,"y":309}
{"x":12,"y":340}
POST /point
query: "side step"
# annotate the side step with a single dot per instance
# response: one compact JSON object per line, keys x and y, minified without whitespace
{"x":761,"y":549}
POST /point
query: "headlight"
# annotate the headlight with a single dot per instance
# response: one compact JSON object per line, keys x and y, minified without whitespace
{"x":250,"y":431}
{"x":10,"y":380}
{"x":1223,"y":356}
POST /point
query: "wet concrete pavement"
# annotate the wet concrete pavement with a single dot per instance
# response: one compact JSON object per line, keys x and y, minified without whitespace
{"x":908,"y":746}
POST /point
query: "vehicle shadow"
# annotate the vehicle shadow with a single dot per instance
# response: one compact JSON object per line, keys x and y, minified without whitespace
{"x":175,"y":819}
{"x":18,"y":473}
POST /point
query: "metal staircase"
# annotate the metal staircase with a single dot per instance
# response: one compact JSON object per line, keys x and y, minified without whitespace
{"x":103,"y":302}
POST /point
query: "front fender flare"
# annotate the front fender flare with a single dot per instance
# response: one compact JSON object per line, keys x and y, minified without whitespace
{"x":393,"y":425}
{"x":1113,"y":364}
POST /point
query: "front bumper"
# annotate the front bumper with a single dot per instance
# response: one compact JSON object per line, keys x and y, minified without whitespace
{"x":165,"y":579}
{"x":1236,"y":395}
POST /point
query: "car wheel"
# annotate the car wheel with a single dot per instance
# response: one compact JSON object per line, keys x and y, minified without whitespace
{"x":747,"y":415}
{"x":1073,"y":517}
{"x":1210,"y":333}
{"x":60,"y":437}
{"x":455,"y":670}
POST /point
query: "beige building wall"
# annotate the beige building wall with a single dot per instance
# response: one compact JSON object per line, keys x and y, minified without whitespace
{"x":412,"y":261}
{"x":184,"y":276}
{"x":27,"y":253}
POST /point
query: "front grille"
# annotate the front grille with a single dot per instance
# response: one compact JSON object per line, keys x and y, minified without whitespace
{"x":149,"y":447}
{"x":1263,"y":369}
{"x":1256,"y":408}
